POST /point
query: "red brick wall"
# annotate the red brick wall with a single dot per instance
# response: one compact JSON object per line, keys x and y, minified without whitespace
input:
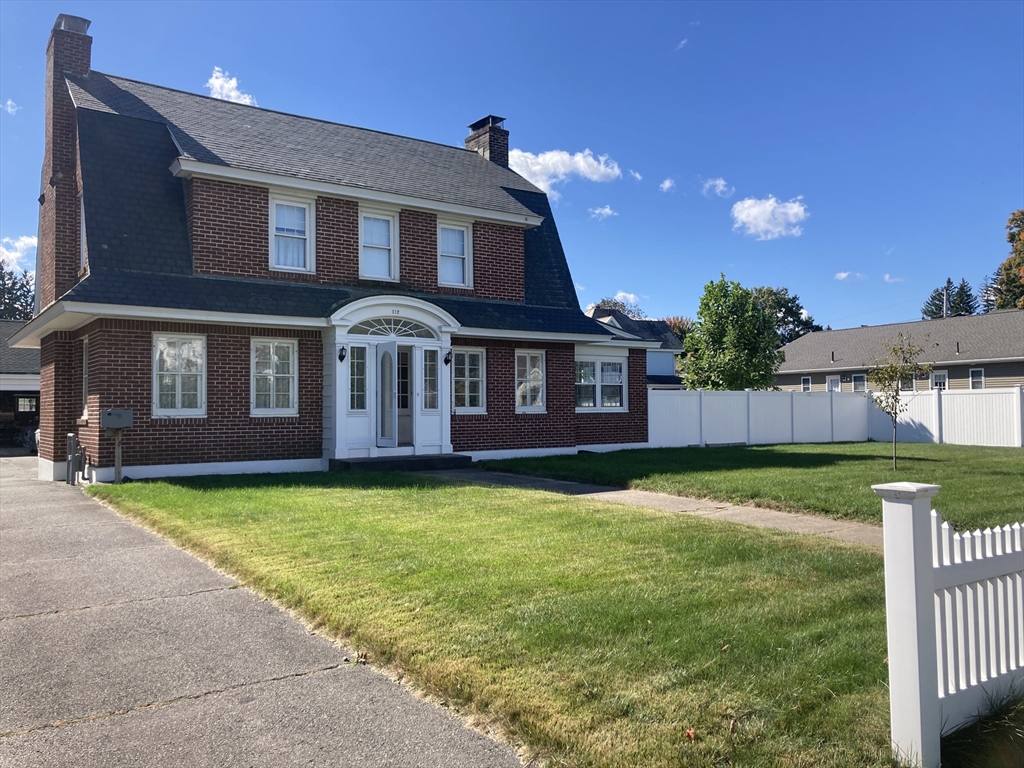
{"x":58,"y":220}
{"x":120,"y":367}
{"x":602,"y":428}
{"x":230,"y":235}
{"x":60,"y":397}
{"x":501,"y":428}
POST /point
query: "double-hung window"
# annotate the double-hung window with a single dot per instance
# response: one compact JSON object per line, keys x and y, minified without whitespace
{"x":275,"y":377}
{"x":291,"y":235}
{"x":860,"y":382}
{"x":378,"y":249}
{"x":468,"y":395}
{"x":357,"y":379}
{"x":530,"y":382}
{"x":977,"y":378}
{"x":940,"y":380}
{"x":805,"y":383}
{"x":179,"y":375}
{"x":454,"y":259}
{"x":600,"y":385}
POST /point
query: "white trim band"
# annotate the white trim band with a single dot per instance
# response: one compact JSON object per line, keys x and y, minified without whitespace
{"x":148,"y":471}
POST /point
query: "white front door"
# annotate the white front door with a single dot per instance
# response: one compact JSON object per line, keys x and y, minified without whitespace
{"x":387,"y":394}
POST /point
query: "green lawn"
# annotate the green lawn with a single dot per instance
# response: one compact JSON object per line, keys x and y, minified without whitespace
{"x":596,"y":634}
{"x":980,"y":486}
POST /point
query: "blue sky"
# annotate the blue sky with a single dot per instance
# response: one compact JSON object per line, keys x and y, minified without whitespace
{"x":856,"y":153}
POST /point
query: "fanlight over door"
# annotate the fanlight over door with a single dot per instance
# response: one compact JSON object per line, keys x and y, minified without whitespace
{"x":392,"y":326}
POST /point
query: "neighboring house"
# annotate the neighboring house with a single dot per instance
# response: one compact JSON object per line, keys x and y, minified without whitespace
{"x":967,"y":352}
{"x":19,"y":385}
{"x":661,"y":362}
{"x":269,"y":292}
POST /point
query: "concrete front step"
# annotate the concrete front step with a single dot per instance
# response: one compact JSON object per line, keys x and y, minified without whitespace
{"x":404,"y":463}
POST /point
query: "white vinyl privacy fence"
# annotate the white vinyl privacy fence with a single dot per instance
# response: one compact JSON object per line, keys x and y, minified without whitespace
{"x":954,"y":606}
{"x":678,"y":418}
{"x":959,"y":417}
{"x":684,"y":417}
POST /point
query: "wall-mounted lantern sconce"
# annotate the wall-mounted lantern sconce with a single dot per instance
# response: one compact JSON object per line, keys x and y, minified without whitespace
{"x":341,"y":354}
{"x":448,"y":357}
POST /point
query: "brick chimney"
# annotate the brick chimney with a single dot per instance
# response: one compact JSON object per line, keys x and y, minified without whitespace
{"x":57,"y":257}
{"x":490,"y":139}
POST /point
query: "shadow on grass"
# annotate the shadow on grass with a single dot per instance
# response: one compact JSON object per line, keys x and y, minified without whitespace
{"x":993,"y":741}
{"x":354,"y":478}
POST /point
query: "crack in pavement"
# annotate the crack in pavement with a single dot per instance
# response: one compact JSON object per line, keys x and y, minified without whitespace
{"x":86,"y":555}
{"x":65,"y":611}
{"x":166,"y":703}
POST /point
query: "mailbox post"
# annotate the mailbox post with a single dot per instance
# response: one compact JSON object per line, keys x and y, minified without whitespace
{"x":115,"y":421}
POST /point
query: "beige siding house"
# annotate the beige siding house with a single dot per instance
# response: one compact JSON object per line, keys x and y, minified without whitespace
{"x":970,"y":352}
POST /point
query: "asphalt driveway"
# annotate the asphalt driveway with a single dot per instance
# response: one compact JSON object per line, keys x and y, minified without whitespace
{"x":118,"y":649}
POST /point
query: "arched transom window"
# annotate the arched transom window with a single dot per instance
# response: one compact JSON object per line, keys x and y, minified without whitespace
{"x":392,"y":326}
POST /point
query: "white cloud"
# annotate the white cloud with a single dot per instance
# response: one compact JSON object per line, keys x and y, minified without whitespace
{"x":769,"y":218}
{"x":10,"y":107}
{"x":682,"y":44}
{"x":629,"y":298}
{"x":849,"y":276}
{"x":555,"y":166}
{"x":20,"y":253}
{"x":635,"y":175}
{"x":580,"y":287}
{"x":602,"y":213}
{"x":890,"y":279}
{"x":666,"y":185}
{"x":717,"y":187}
{"x":225,"y":88}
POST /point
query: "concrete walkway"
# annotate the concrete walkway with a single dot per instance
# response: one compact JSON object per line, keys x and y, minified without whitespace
{"x":118,"y":649}
{"x":840,"y":530}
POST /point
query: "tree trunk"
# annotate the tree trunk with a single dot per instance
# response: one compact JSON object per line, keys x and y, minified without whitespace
{"x":894,"y":445}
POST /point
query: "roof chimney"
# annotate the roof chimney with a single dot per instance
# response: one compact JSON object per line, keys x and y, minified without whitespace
{"x":70,"y":45}
{"x":490,"y":139}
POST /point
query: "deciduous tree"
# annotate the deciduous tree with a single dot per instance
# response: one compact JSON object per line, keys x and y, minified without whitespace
{"x":888,"y":374}
{"x":625,"y":307}
{"x":791,"y":319}
{"x":734,"y":345}
{"x":1010,"y":279}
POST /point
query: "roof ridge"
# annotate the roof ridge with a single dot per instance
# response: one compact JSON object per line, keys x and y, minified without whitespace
{"x":913,"y":322}
{"x":75,"y":78}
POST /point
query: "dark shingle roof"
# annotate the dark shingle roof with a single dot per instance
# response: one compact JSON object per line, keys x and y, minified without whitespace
{"x":239,"y":136}
{"x":16,"y":360}
{"x":651,"y":330}
{"x":993,"y":336}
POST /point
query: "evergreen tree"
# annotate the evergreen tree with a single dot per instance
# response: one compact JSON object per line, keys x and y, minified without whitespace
{"x":962,"y":301}
{"x":17,"y":293}
{"x":987,"y":293}
{"x":938,"y":302}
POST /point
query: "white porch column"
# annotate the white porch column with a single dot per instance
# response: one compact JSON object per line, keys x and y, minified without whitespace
{"x":910,"y":621}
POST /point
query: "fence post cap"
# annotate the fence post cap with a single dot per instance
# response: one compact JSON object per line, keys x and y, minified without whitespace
{"x":906,"y":490}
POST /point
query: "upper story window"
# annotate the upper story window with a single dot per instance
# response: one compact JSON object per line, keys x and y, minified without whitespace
{"x":274,"y":385}
{"x":179,"y":375}
{"x":378,"y":245}
{"x":454,"y":255}
{"x":291,"y":235}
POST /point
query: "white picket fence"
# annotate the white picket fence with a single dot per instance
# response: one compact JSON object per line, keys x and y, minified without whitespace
{"x":957,"y":416}
{"x":686,"y":417}
{"x":954,"y":607}
{"x":679,"y":418}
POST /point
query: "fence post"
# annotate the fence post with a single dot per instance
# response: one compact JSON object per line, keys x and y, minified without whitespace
{"x":1018,"y":406}
{"x":700,"y":407}
{"x":938,"y":415}
{"x":910,"y":621}
{"x":792,"y":416}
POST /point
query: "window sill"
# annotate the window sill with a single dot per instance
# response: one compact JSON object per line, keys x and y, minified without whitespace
{"x":460,"y":286}
{"x":531,"y":411}
{"x":470,"y":411}
{"x":379,"y":279}
{"x":293,"y":270}
{"x":184,"y":415}
{"x":602,"y":410}
{"x":282,"y":414}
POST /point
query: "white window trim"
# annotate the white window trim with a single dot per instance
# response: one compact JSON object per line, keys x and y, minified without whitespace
{"x":366,"y":379}
{"x":483,"y":380}
{"x":293,"y":409}
{"x":310,"y":206}
{"x":931,"y":379}
{"x":468,"y":268}
{"x":853,"y":382}
{"x":380,"y":213}
{"x":543,"y":407}
{"x":598,"y":407}
{"x":970,"y":378}
{"x":179,"y":413}
{"x":828,"y":383}
{"x":805,"y":384}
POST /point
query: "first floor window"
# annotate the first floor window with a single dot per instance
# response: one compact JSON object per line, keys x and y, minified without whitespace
{"x":179,"y":375}
{"x":939,"y":380}
{"x":600,"y":384}
{"x":274,"y":377}
{"x":357,"y":379}
{"x":977,"y":378}
{"x":834,"y":384}
{"x":860,"y":382}
{"x":430,"y":380}
{"x":468,"y":379}
{"x":530,"y":381}
{"x":291,"y":231}
{"x":907,"y":385}
{"x":805,"y":383}
{"x":26,"y":405}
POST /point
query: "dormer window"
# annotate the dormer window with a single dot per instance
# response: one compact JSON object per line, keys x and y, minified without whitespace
{"x":454,"y":255}
{"x":291,"y":235}
{"x":378,"y":250}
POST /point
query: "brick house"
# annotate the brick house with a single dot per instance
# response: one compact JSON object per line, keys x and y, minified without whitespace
{"x":269,"y":292}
